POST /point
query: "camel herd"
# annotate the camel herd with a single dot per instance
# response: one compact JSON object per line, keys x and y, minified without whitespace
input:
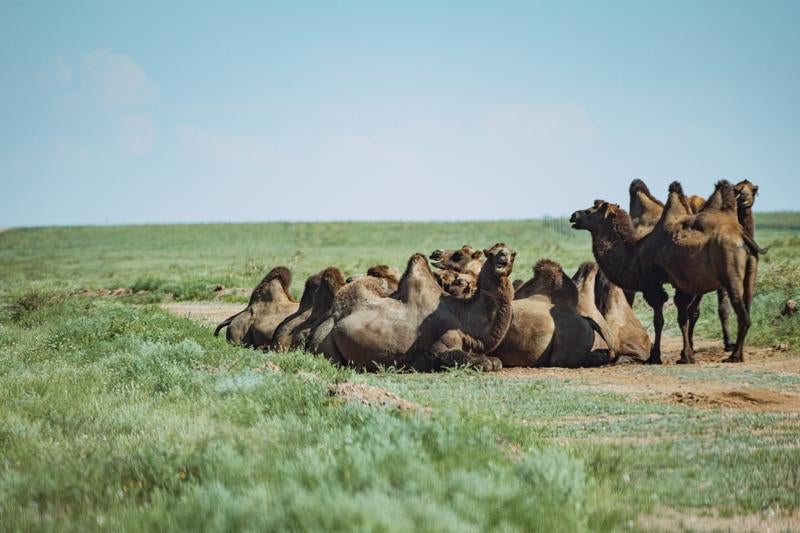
{"x":468,"y":312}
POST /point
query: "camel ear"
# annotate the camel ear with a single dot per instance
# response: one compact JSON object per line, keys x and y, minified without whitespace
{"x":610,"y":209}
{"x":487,"y":253}
{"x":598,"y":203}
{"x":755,"y":190}
{"x":477,"y":254}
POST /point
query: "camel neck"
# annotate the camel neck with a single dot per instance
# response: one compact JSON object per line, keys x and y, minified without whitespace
{"x":491,"y":304}
{"x":617,"y":258}
{"x":746,"y":220}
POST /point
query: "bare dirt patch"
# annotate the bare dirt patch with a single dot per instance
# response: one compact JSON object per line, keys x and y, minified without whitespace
{"x":751,"y":399}
{"x":206,"y":312}
{"x":668,"y":519}
{"x":372,"y":395}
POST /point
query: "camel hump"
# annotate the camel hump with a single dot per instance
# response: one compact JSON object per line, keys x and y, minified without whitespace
{"x":727,"y":195}
{"x":638,"y":185}
{"x":584,"y":271}
{"x":676,"y":187}
{"x":282,"y":274}
{"x":332,"y":279}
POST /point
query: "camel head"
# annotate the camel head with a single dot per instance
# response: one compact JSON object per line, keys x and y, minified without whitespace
{"x":454,"y":259}
{"x":745,"y":193}
{"x":595,"y":216}
{"x":500,"y":259}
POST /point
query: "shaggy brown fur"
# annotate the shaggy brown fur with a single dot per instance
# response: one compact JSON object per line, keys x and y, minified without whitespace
{"x":695,"y":253}
{"x":269,"y":303}
{"x":421,"y":326}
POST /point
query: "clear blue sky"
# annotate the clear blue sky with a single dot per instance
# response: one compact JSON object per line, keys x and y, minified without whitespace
{"x":117,"y":112}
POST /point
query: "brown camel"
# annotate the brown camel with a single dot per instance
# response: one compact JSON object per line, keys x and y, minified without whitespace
{"x":459,"y":269}
{"x":585,"y":281}
{"x":381,"y":280}
{"x":422,"y":327}
{"x":695,"y":253}
{"x":745,"y":198}
{"x":270,"y":302}
{"x":546,"y":329}
{"x":283,"y":337}
{"x":633,"y":341}
{"x":645,"y":202}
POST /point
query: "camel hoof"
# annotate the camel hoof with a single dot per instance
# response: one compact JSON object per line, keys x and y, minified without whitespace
{"x":489,"y":364}
{"x":733,"y":359}
{"x":653,"y":360}
{"x":686,"y":361}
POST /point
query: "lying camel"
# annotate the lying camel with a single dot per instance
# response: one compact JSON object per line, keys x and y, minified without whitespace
{"x":633,"y":341}
{"x":422,"y":327}
{"x":283,"y":337}
{"x":459,"y":269}
{"x":546,"y":328}
{"x":270,"y":302}
{"x":381,"y":280}
{"x":695,"y":253}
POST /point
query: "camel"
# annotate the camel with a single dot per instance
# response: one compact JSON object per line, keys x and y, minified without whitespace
{"x":745,"y":198}
{"x":422,"y":327}
{"x":633,"y":341}
{"x":546,"y":329}
{"x":459,"y":269}
{"x":381,"y":280}
{"x":745,"y":195}
{"x":270,"y":302}
{"x":283,"y":337}
{"x":584,"y":279}
{"x":695,"y":253}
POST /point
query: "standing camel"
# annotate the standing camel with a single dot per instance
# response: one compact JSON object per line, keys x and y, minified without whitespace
{"x":646,"y":209}
{"x":695,"y":253}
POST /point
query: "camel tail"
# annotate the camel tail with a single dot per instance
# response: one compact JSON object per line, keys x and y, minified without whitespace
{"x":225,"y":323}
{"x":752,"y":246}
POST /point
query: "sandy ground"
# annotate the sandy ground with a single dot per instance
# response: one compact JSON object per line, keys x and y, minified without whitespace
{"x":635,"y":380}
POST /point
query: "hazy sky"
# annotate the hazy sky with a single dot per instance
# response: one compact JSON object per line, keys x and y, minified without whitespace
{"x":116,"y":112}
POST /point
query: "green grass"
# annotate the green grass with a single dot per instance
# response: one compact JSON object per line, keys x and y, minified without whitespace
{"x":118,"y":416}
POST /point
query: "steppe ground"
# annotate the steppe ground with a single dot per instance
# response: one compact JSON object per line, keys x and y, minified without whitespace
{"x":119,"y":410}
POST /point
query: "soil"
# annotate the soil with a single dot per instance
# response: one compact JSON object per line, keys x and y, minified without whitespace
{"x":371,"y":395}
{"x":635,"y":380}
{"x":668,"y":519}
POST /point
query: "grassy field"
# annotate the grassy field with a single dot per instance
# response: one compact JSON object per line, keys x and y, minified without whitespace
{"x":115,"y":414}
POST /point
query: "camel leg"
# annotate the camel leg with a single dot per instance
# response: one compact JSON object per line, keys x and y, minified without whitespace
{"x":737,"y":297}
{"x":741,"y":300}
{"x":723,"y":310}
{"x":656,"y":298}
{"x":684,"y":302}
{"x":694,"y":316}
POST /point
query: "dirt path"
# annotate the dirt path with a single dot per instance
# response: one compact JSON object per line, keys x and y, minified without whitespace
{"x":687,"y":388}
